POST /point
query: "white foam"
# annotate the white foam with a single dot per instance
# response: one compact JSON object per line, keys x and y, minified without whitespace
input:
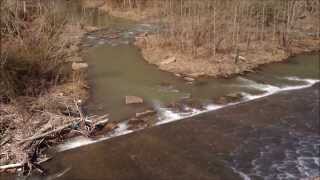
{"x":83,"y":141}
{"x":242,"y":175}
{"x":74,"y":143}
{"x":263,"y":87}
{"x":167,"y":115}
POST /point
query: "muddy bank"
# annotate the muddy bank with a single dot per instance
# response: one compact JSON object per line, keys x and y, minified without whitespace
{"x":202,"y":147}
{"x":223,"y":65}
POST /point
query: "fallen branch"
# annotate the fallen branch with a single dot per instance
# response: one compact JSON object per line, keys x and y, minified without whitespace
{"x":47,"y":133}
{"x":5,"y":140}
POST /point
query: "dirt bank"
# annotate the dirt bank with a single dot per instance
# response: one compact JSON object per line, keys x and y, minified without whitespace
{"x":223,"y":64}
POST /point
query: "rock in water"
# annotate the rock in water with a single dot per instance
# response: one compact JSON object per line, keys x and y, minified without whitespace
{"x":229,"y":98}
{"x":134,"y":100}
{"x":235,"y":96}
{"x":79,"y":66}
{"x":145,"y":113}
{"x":189,"y":79}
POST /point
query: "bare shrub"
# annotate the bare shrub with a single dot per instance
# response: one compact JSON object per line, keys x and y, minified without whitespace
{"x":32,"y":48}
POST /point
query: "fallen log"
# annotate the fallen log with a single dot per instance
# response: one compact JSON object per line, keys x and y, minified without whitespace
{"x":11,"y":166}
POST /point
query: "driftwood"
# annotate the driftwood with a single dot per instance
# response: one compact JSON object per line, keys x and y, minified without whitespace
{"x":145,"y":113}
{"x":5,"y":140}
{"x":11,"y":166}
{"x":92,"y":124}
{"x":101,"y":123}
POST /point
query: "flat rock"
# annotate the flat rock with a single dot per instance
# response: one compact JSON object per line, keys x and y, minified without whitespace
{"x":79,"y":66}
{"x":134,"y":100}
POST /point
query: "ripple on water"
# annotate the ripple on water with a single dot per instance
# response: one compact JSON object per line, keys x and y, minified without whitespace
{"x":286,"y":155}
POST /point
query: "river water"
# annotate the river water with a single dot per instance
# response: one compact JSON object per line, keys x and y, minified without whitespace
{"x":117,"y":69}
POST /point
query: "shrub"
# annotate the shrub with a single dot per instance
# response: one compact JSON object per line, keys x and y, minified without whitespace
{"x":32,"y":48}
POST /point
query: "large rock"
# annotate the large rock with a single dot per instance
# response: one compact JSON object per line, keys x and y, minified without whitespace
{"x":134,"y":100}
{"x":79,"y":66}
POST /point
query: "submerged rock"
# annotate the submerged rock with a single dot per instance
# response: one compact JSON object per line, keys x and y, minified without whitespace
{"x":110,"y":127}
{"x":229,"y":98}
{"x":145,"y":113}
{"x":186,"y":105}
{"x":234,"y":96}
{"x":134,"y":100}
{"x":136,"y":123}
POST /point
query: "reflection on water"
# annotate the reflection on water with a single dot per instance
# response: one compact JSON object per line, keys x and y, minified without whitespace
{"x":119,"y":70}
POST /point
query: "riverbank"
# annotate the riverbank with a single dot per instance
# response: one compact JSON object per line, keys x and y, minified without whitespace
{"x":223,"y":64}
{"x":44,"y":106}
{"x":26,"y":116}
{"x":221,"y":39}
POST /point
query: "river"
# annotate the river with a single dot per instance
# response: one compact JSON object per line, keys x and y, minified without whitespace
{"x":268,"y":132}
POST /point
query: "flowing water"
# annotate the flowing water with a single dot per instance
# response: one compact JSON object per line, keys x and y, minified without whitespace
{"x":117,"y":69}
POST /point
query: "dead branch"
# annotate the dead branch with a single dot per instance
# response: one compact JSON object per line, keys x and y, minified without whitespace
{"x":49,"y":132}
